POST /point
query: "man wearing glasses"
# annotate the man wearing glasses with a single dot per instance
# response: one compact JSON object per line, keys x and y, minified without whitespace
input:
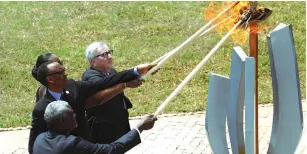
{"x":53,"y":76}
{"x":109,"y":121}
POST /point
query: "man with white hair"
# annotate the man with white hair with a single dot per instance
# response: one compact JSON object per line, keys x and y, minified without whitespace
{"x":60,"y":119}
{"x":108,"y":121}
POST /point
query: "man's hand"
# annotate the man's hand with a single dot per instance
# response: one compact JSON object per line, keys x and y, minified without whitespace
{"x":135,"y":83}
{"x":144,"y":68}
{"x":146,"y":123}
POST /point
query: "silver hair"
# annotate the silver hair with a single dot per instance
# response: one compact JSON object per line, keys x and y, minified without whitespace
{"x":56,"y":111}
{"x":93,"y":50}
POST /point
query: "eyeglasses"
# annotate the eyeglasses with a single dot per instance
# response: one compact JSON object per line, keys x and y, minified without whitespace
{"x":105,"y":54}
{"x":61,"y":72}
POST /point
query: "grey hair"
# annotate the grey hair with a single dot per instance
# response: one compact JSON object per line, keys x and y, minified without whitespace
{"x":93,"y":50}
{"x":56,"y":111}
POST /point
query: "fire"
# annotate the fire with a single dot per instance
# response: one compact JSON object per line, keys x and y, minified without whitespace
{"x":240,"y":35}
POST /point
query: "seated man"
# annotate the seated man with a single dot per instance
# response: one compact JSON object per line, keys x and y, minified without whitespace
{"x":60,"y":119}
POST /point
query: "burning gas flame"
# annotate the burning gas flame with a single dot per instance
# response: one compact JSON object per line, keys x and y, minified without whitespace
{"x":240,"y":35}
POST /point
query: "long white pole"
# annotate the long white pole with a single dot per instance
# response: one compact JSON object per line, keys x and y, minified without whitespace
{"x":196,"y":69}
{"x":181,"y":46}
{"x":204,"y":33}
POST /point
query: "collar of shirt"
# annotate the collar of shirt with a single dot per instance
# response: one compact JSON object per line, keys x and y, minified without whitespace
{"x":55,"y":95}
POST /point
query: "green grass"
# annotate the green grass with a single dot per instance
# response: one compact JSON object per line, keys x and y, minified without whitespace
{"x":139,"y":32}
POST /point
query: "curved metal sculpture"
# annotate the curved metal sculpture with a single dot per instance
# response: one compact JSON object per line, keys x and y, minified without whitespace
{"x":249,"y":93}
{"x":216,"y":113}
{"x":287,"y":118}
{"x":230,"y":95}
{"x":236,"y":101}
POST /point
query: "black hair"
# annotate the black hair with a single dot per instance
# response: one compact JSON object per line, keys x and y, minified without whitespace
{"x":42,"y":58}
{"x":42,"y":73}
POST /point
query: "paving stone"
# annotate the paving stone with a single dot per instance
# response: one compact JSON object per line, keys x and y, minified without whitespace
{"x":196,"y":142}
{"x":265,"y":121}
{"x":190,"y":123}
{"x":201,"y":152}
{"x":187,"y":148}
{"x":265,"y":112}
{"x":178,"y":151}
{"x":151,"y":137}
{"x":204,"y":148}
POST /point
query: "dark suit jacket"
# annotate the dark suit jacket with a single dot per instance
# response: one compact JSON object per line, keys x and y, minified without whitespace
{"x":76,"y":93}
{"x":40,"y":92}
{"x":52,"y":143}
{"x":109,"y":121}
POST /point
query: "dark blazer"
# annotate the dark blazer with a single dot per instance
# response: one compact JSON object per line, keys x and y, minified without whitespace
{"x":109,"y":121}
{"x":52,"y":143}
{"x":75,"y":93}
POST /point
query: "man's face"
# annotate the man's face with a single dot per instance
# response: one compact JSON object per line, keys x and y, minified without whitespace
{"x":72,"y":122}
{"x":103,"y":60}
{"x":69,"y":122}
{"x":56,"y":75}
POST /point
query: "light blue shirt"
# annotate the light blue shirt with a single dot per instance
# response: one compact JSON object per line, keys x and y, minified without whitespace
{"x":55,"y":95}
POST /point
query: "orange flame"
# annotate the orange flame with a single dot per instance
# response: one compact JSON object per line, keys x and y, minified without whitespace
{"x":239,"y":35}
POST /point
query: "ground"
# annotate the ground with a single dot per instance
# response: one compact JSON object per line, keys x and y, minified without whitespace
{"x":172,"y":134}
